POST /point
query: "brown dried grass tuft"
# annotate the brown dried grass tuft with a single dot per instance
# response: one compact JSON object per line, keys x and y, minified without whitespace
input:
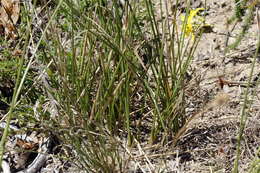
{"x":220,"y":99}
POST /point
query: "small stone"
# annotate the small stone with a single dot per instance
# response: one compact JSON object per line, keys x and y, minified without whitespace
{"x":224,"y":4}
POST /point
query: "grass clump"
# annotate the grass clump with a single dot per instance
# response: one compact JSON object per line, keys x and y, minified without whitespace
{"x":112,"y":74}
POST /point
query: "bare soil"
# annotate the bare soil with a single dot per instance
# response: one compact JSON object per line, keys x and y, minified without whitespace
{"x":210,"y":145}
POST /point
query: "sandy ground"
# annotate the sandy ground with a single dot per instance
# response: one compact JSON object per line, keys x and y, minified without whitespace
{"x":212,"y":140}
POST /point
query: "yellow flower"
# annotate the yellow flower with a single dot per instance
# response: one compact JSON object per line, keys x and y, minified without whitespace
{"x":193,"y":22}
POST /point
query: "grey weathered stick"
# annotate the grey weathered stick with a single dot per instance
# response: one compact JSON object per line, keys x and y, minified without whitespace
{"x":6,"y":167}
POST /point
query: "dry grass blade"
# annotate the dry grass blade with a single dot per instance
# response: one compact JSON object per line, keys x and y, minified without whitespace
{"x":258,"y":21}
{"x":150,"y":165}
{"x":9,"y":15}
{"x":219,"y":100}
